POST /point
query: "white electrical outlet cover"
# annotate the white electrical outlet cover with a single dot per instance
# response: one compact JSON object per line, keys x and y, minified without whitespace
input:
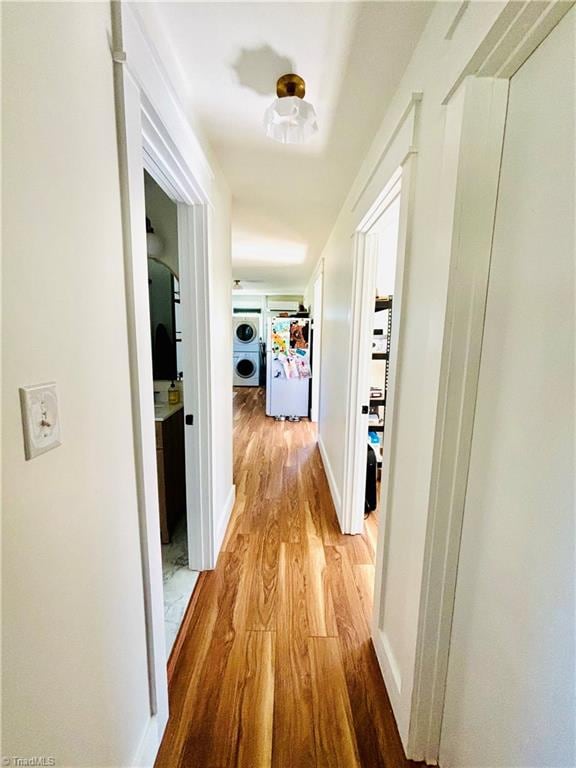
{"x":40,"y":419}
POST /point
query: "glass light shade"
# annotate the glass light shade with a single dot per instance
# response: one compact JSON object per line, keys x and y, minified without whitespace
{"x":290,"y":120}
{"x":154,"y":245}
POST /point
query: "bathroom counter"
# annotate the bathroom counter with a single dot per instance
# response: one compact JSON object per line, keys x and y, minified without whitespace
{"x":163,"y":411}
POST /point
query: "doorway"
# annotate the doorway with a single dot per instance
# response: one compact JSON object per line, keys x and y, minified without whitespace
{"x":384,"y":233}
{"x":168,"y":367}
{"x":374,"y":326}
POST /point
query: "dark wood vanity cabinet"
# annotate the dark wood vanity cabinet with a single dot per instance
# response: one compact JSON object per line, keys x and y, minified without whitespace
{"x":171,"y":472}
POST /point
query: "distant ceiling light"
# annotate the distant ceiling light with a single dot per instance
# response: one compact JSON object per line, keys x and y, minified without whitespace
{"x":154,"y":245}
{"x":276,"y":253}
{"x":290,"y":119}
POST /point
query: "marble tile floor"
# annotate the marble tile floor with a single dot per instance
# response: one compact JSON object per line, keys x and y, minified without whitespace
{"x":179,"y":581}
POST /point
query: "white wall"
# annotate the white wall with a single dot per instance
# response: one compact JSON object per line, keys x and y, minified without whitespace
{"x":436,"y":63}
{"x":162,"y":212}
{"x":74,"y":682}
{"x":511,"y":681}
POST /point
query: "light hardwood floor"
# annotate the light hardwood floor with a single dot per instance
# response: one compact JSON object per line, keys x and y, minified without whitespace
{"x":277,"y":667}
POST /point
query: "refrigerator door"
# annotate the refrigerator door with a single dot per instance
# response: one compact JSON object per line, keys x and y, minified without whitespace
{"x":285,"y":397}
{"x":288,"y":369}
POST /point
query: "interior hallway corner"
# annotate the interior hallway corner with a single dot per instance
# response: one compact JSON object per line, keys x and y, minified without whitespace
{"x":277,"y":667}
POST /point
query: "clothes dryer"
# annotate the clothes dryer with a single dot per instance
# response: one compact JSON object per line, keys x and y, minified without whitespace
{"x":246,"y":369}
{"x":246,"y":334}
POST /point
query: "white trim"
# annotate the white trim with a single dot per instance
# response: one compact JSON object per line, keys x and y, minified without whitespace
{"x":382,"y":202}
{"x":399,"y":155}
{"x":469,"y":201}
{"x":163,"y":161}
{"x":514,"y":36}
{"x":390,"y":666}
{"x":129,"y":131}
{"x":455,"y":23}
{"x":149,"y":745}
{"x":225,"y":519}
{"x":147,"y":69}
{"x":500,"y":54}
{"x":195,"y":296}
{"x":470,"y":193}
{"x":334,"y":492}
{"x":154,"y":133}
{"x":365,"y":269}
{"x":411,"y":110}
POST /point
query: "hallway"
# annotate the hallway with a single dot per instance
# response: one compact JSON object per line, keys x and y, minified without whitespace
{"x":277,"y":668}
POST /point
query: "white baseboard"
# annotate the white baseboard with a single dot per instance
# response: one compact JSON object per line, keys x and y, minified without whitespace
{"x":149,"y":745}
{"x":223,"y":524}
{"x":391,"y":675}
{"x":334,"y":492}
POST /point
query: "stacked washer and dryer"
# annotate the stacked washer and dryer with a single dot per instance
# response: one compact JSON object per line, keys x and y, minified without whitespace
{"x":246,"y":354}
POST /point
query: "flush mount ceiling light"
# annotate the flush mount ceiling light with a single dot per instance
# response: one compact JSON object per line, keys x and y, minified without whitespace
{"x":290,"y":119}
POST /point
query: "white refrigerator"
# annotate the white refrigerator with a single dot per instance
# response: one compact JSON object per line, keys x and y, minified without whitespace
{"x":288,"y":369}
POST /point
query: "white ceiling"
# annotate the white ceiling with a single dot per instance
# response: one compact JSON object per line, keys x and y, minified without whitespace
{"x":225,"y":59}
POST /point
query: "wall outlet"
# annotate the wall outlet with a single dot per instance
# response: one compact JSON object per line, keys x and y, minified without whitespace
{"x":40,"y":419}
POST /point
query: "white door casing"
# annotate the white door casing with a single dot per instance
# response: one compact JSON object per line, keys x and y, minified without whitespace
{"x":391,"y":669}
{"x":195,"y":298}
{"x":471,"y":159}
{"x":154,"y":134}
{"x":417,"y":693}
{"x":367,"y":249}
{"x":476,"y":112}
{"x":513,"y":627}
{"x":397,"y":157}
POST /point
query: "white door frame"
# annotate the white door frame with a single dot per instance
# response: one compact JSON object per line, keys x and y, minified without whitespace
{"x":193,"y":245}
{"x":426,"y":700}
{"x":166,"y":147}
{"x":365,"y":269}
{"x":397,"y":161}
{"x":194,"y":284}
{"x":474,"y":136}
{"x":475,"y":120}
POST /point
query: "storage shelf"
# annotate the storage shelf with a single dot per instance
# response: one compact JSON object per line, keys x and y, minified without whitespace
{"x":382,"y":304}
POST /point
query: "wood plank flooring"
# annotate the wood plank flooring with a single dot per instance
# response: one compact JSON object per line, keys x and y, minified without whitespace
{"x":277,"y":669}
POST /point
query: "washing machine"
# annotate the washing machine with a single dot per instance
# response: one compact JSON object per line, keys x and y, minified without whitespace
{"x":246,"y":334}
{"x":246,"y":369}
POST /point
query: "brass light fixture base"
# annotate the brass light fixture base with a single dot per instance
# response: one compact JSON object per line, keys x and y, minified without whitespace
{"x":290,"y":85}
